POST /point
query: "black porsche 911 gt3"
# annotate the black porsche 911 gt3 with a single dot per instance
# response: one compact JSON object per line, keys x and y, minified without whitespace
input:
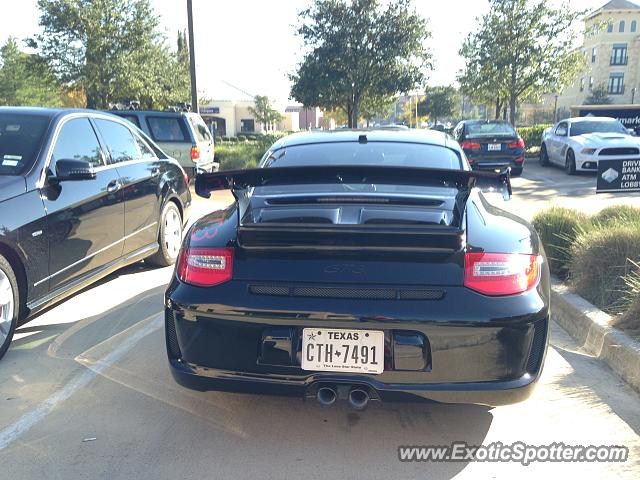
{"x":360,"y":265}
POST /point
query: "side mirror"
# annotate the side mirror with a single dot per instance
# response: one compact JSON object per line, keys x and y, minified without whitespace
{"x":67,"y":169}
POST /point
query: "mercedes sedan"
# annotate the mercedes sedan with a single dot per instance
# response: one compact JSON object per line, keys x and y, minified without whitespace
{"x":360,"y":265}
{"x":82,"y":194}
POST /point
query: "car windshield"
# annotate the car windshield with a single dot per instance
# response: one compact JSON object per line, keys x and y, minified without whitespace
{"x":597,"y":126}
{"x":372,"y":153}
{"x":21,"y":138}
{"x":490,"y":129}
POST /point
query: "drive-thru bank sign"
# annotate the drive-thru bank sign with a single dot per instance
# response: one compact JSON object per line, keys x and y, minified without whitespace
{"x":618,"y":176}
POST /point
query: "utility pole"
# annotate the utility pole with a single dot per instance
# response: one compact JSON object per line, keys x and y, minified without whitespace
{"x":192,"y":58}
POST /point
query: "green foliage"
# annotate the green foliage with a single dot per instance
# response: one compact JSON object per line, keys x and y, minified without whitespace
{"x":599,"y":95}
{"x":246,"y":154}
{"x":520,"y":51}
{"x":439,"y":103}
{"x":617,"y":214}
{"x":557,"y":227}
{"x":600,"y":258}
{"x":265,"y":113}
{"x":359,"y":51}
{"x":25,"y":79}
{"x":113,"y":51}
{"x":630,"y":302}
{"x":532,"y":136}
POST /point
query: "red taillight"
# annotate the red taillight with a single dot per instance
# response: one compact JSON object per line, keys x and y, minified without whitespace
{"x":518,"y":144}
{"x":195,"y":153}
{"x":205,"y":267}
{"x":501,"y":273}
{"x":467,"y":145}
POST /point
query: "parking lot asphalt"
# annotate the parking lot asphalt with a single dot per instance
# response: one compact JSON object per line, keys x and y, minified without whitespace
{"x":85,"y":392}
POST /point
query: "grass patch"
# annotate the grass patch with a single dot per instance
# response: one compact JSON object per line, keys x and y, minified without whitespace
{"x":557,"y":227}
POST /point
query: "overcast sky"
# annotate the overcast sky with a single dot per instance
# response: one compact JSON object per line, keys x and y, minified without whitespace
{"x":251,"y":43}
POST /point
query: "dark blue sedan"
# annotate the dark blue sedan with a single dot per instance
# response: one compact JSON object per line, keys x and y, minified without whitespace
{"x":491,"y":145}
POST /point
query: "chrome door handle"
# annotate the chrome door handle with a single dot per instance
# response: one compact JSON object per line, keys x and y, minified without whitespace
{"x":113,"y":186}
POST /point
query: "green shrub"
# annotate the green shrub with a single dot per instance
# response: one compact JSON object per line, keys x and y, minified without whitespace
{"x":601,"y":257}
{"x":234,"y":156}
{"x":532,"y":136}
{"x":630,"y":319}
{"x":241,"y":138}
{"x":557,"y":227}
{"x":217,"y":139}
{"x":614,"y":214}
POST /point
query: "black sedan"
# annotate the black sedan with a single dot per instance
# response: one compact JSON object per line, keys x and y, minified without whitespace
{"x":360,"y":265}
{"x":491,"y":144}
{"x":82,"y":194}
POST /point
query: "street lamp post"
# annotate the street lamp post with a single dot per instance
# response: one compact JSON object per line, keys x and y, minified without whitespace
{"x":555,"y":110}
{"x":192,"y":58}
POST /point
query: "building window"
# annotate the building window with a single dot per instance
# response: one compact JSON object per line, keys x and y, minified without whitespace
{"x":621,"y":26}
{"x":593,"y":54}
{"x":582,"y":84}
{"x":247,"y":125}
{"x":616,"y":83}
{"x":590,"y":83}
{"x":633,"y":25}
{"x":609,"y":27}
{"x":619,"y":54}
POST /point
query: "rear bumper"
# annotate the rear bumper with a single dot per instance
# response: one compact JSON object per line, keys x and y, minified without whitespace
{"x":492,"y":394}
{"x":474,"y":349}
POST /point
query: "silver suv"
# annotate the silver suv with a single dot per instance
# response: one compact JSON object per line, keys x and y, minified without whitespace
{"x":182,"y":135}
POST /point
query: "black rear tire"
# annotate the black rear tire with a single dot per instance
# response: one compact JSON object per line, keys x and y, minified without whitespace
{"x":8,"y":327}
{"x":544,"y":156}
{"x":570,"y":163}
{"x":167,"y":254}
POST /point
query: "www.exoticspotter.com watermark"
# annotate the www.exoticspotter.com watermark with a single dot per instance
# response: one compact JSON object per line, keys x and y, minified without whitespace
{"x":515,"y":452}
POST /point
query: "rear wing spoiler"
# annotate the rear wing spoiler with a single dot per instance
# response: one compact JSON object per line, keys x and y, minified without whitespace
{"x":463,"y":180}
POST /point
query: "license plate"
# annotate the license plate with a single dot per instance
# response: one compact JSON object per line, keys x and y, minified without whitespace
{"x":338,"y":350}
{"x":493,"y":147}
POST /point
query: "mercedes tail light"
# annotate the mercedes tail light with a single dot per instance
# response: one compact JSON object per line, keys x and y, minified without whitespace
{"x":501,"y":273}
{"x":518,"y":144}
{"x":205,"y":267}
{"x":467,"y":145}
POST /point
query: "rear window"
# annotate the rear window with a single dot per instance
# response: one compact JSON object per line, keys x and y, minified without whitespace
{"x":202,"y":134}
{"x":167,"y":129}
{"x":490,"y":129}
{"x":21,"y":137}
{"x":371,"y":153}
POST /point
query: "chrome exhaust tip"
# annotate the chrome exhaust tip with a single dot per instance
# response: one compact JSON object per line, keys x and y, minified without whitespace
{"x":326,"y":396}
{"x":358,"y":398}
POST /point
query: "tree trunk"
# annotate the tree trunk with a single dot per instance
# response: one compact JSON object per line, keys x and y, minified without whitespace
{"x":355,"y":113}
{"x":498,"y":107}
{"x":512,"y":109}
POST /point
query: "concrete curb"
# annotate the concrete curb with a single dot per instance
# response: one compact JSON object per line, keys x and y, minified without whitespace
{"x":590,"y":327}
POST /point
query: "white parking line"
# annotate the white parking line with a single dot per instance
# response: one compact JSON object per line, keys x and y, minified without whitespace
{"x":11,"y":433}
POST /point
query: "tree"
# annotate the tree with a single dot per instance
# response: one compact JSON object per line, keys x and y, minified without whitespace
{"x":111,"y":49}
{"x":439,"y":102}
{"x":25,"y":79}
{"x":264,"y":112}
{"x":521,"y":50}
{"x":599,"y":95}
{"x":359,"y":51}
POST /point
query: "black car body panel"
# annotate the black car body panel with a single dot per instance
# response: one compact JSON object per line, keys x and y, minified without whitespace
{"x":60,"y":236}
{"x":331,"y":268}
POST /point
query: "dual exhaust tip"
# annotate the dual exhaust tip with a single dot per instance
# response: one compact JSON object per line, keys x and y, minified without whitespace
{"x":358,"y":397}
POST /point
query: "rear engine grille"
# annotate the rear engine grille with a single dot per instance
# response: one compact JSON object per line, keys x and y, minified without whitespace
{"x":619,"y":151}
{"x":537,"y":346}
{"x":173,"y":349}
{"x":347,"y":292}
